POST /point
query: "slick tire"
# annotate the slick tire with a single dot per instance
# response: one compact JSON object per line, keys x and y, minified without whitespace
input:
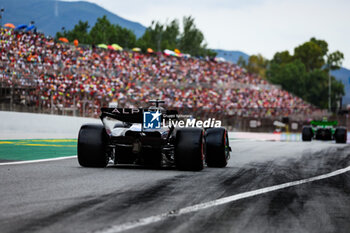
{"x":307,"y":134}
{"x":217,"y":147}
{"x":340,"y":135}
{"x":92,"y":142}
{"x":189,"y":149}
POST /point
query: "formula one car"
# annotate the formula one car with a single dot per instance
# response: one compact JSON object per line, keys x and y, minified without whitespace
{"x":138,"y":136}
{"x":324,"y":130}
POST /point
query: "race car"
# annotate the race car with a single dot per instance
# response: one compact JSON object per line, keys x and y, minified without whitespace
{"x":138,"y":136}
{"x":324,"y":130}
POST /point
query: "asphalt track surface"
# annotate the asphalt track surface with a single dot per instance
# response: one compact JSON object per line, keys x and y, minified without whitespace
{"x":60,"y":196}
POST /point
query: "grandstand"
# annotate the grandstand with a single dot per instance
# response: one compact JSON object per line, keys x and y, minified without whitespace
{"x":39,"y":74}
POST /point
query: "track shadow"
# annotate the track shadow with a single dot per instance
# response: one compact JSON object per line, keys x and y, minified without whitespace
{"x":139,"y":167}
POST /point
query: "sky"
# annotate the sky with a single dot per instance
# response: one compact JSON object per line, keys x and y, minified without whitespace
{"x":250,"y":26}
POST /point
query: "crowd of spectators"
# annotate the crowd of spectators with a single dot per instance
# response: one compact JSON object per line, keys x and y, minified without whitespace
{"x":58,"y":75}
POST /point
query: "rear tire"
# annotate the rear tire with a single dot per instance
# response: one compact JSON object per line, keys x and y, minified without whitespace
{"x":92,"y":142}
{"x":217,"y":147}
{"x":307,"y":133}
{"x":189,"y":149}
{"x":340,"y":135}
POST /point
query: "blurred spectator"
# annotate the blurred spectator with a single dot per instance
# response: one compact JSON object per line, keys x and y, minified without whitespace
{"x":64,"y":75}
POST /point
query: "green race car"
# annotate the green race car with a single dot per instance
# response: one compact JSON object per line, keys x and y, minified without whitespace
{"x":324,"y":130}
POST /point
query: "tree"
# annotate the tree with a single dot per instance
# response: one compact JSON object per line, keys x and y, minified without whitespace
{"x":79,"y":32}
{"x":192,"y":39}
{"x":257,"y":64}
{"x":167,"y":36}
{"x":334,"y":60}
{"x":322,"y":44}
{"x":282,"y":58}
{"x":242,"y":62}
{"x":157,"y":36}
{"x":170,"y":36}
{"x":160,"y":37}
{"x":290,"y":76}
{"x":102,"y":32}
{"x":123,"y":37}
{"x":306,"y":73}
{"x":145,"y":41}
{"x":316,"y":91}
{"x":312,"y":54}
{"x":152,"y":37}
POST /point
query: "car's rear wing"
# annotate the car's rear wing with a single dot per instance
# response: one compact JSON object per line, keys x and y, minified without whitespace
{"x":324,"y":123}
{"x":133,"y":115}
{"x":130,"y":115}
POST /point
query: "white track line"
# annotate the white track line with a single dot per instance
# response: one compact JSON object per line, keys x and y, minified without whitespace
{"x":221,"y":201}
{"x":38,"y":161}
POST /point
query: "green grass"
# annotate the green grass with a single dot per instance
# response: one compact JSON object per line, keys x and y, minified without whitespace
{"x":37,"y":149}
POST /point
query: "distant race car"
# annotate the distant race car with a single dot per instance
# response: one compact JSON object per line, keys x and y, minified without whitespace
{"x":125,"y":138}
{"x":324,"y":130}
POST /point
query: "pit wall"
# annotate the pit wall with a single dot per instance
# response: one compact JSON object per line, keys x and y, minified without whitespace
{"x":16,"y":125}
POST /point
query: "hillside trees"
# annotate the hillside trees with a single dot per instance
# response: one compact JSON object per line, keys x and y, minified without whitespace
{"x":306,"y":72}
{"x":80,"y":31}
{"x":256,"y":64}
{"x":157,"y":36}
{"x":152,"y":38}
{"x":192,"y":39}
{"x":167,"y":36}
{"x":103,"y":32}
